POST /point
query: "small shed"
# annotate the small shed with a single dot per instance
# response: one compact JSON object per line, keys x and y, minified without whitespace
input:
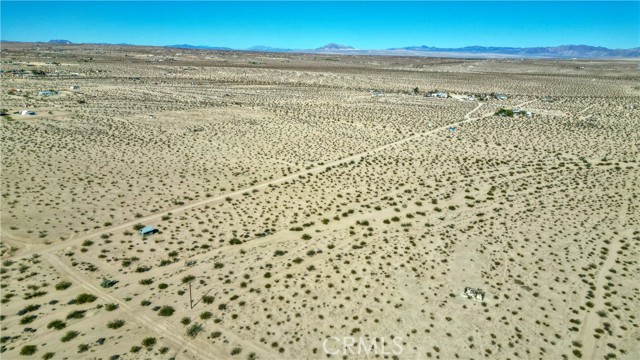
{"x":440,"y":95}
{"x":27,"y":112}
{"x":148,"y":230}
{"x":501,"y":97}
{"x":74,"y":87}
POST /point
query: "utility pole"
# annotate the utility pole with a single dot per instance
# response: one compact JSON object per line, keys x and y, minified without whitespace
{"x":190,"y":298}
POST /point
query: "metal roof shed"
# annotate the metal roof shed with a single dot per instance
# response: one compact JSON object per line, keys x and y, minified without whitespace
{"x":148,"y":230}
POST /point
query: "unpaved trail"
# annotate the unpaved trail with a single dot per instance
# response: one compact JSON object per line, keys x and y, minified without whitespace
{"x":220,"y":198}
{"x":591,"y":319}
{"x":199,"y":347}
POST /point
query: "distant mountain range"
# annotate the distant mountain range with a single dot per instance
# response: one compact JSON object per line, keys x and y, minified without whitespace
{"x":563,"y":51}
{"x":63,"y":42}
{"x":199,"y":47}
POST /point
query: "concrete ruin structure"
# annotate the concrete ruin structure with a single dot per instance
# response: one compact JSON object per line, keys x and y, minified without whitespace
{"x":474,"y":294}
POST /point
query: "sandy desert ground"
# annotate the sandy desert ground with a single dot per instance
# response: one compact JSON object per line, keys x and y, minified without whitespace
{"x":316,"y":206}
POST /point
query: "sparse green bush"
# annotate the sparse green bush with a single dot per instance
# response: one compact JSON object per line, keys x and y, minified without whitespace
{"x":206,"y":315}
{"x":166,"y":311}
{"x":115,"y":324}
{"x":70,"y":335}
{"x":27,"y":319}
{"x":194,"y":330}
{"x":149,"y":342}
{"x":85,"y":298}
{"x":62,"y":285}
{"x":57,"y":324}
{"x":77,"y":314}
{"x":28,"y":350}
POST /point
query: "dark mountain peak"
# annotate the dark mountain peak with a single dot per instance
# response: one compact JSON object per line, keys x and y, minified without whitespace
{"x":333,"y":46}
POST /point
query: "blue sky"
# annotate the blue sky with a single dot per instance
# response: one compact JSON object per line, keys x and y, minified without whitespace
{"x":364,"y":25}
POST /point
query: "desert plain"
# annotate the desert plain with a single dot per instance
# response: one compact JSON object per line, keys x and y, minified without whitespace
{"x":314,"y":206}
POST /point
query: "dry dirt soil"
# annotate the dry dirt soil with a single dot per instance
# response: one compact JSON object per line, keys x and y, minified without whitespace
{"x":314,"y":206}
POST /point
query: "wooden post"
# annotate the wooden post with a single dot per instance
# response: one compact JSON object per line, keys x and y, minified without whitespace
{"x":190,"y":298}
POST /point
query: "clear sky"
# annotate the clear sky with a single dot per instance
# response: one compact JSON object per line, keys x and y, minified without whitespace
{"x":302,"y":25}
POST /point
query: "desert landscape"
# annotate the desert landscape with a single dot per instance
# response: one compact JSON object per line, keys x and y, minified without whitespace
{"x":306,"y":206}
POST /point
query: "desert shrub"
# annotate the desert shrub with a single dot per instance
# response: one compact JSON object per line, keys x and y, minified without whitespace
{"x":115,"y":324}
{"x":148,"y":342}
{"x":28,"y":350}
{"x":194,"y":330}
{"x":48,"y":356}
{"x":206,"y":315}
{"x":134,"y":349}
{"x":111,"y":307}
{"x":235,"y":241}
{"x":85,"y":298}
{"x":34,"y":294}
{"x":218,"y":265}
{"x":306,"y":237}
{"x":70,"y":335}
{"x":208,"y":299}
{"x":82,"y":348}
{"x":141,"y":269}
{"x":77,"y":314}
{"x":29,"y":308}
{"x":146,"y":282}
{"x":188,"y":278}
{"x":27,"y":319}
{"x":162,"y":286}
{"x":185,"y":321}
{"x":236,"y":351}
{"x":62,"y":285}
{"x":166,"y":311}
{"x":57,"y":324}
